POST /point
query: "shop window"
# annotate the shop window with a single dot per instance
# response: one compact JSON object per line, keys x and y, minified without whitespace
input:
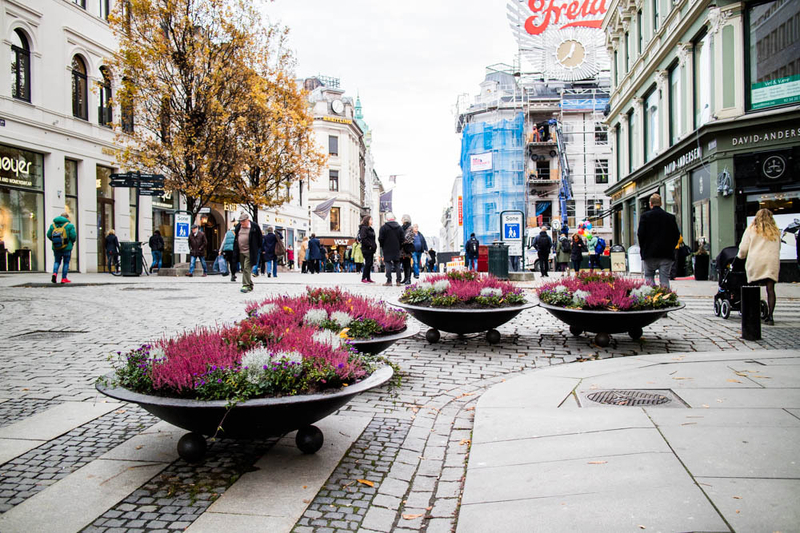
{"x":601,"y":171}
{"x":104,"y":111}
{"x":594,"y":208}
{"x":335,"y":220}
{"x":71,"y":204}
{"x":651,"y":125}
{"x":333,"y":180}
{"x":21,"y":211}
{"x":675,"y":111}
{"x":773,"y":78}
{"x":80,"y":93}
{"x":672,"y":198}
{"x":20,"y":66}
{"x":333,"y":145}
{"x":703,"y":79}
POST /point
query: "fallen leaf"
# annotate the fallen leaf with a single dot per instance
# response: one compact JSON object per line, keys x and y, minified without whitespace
{"x":737,"y":497}
{"x":681,"y":378}
{"x":760,"y":376}
{"x":737,"y":511}
{"x":139,"y":447}
{"x":470,"y":408}
{"x":706,"y":406}
{"x":465,"y":394}
{"x":641,"y":526}
{"x":306,"y":501}
{"x":464,"y":441}
{"x":25,"y":389}
{"x":689,"y":423}
{"x":597,"y":462}
{"x":305,"y":486}
{"x":733,"y":381}
{"x":428,"y":508}
{"x":366,"y":482}
{"x":412,"y":516}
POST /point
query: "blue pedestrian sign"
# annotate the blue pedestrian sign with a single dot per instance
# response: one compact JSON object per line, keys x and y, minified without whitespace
{"x":511,"y":231}
{"x":182,"y":230}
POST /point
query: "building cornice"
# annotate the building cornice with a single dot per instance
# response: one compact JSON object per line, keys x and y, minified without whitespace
{"x":28,"y":9}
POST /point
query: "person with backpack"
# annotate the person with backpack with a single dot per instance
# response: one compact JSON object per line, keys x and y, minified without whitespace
{"x":599,"y":249}
{"x":226,"y":250}
{"x":591,"y":244}
{"x":63,"y":236}
{"x":156,"y":249}
{"x":112,"y":250}
{"x":563,"y":250}
{"x":471,"y":251}
{"x":543,"y":244}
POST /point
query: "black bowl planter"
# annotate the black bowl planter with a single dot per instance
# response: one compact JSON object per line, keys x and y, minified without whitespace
{"x":603,"y":323}
{"x":252,"y":419}
{"x":378,"y":344}
{"x":463,"y":321}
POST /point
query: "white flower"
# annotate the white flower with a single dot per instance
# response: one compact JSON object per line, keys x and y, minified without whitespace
{"x":267,"y":308}
{"x":341,"y":318}
{"x":326,"y":336}
{"x":424,"y":285}
{"x":257,"y":358}
{"x":441,"y":285}
{"x":489,"y":292}
{"x":560,"y":289}
{"x":579,"y":297}
{"x":292,"y":357}
{"x":642,"y":292}
{"x":315,"y":316}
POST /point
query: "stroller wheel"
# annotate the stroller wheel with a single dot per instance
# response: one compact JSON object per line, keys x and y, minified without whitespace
{"x":764,"y":310}
{"x":717,"y":307}
{"x":725,"y":309}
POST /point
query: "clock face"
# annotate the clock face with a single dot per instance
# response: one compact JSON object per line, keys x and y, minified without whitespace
{"x":337,"y":107}
{"x":571,"y":53}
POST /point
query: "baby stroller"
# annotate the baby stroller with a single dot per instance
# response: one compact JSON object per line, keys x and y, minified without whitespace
{"x":732,"y":277}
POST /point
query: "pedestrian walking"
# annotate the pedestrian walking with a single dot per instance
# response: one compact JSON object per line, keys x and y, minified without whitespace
{"x":658,"y":235}
{"x":563,"y":249}
{"x":366,"y":248}
{"x":269,"y":253}
{"x":280,"y":252}
{"x":432,"y":261}
{"x":577,"y":248}
{"x":197,"y":249}
{"x":471,"y":249}
{"x":247,"y":238}
{"x":290,"y":257}
{"x":314,"y":254}
{"x":420,"y":247}
{"x":543,"y":244}
{"x":63,"y":236}
{"x":682,"y":251}
{"x":408,"y":249}
{"x":761,"y":247}
{"x":112,"y":250}
{"x":391,"y":237}
{"x":335,"y":259}
{"x":226,"y":250}
{"x":591,"y":244}
{"x":156,"y":249}
{"x":302,"y":255}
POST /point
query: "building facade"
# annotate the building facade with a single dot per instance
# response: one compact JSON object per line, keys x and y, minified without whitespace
{"x":451,"y":235}
{"x":705,"y":111}
{"x":56,"y":142}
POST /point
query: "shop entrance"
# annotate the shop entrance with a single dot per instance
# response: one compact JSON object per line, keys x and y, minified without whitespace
{"x":210,"y":224}
{"x":701,"y":208}
{"x":105,"y":213}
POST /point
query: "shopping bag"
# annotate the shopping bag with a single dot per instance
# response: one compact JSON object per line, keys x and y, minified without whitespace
{"x":220,"y":265}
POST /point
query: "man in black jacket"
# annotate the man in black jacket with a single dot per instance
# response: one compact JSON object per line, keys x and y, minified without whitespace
{"x":391,"y":237}
{"x":543,"y":244}
{"x":658,"y":235}
{"x":246,"y":247}
{"x":156,"y":249}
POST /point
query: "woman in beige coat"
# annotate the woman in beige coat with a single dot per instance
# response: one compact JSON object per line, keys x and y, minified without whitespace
{"x":761,"y":246}
{"x":302,"y":260}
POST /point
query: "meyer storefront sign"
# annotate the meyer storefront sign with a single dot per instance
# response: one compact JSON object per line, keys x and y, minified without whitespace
{"x":777,"y":135}
{"x":20,"y":168}
{"x":686,"y":159}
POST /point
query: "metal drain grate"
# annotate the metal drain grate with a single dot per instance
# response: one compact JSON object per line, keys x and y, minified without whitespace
{"x":46,"y":335}
{"x":632,"y":398}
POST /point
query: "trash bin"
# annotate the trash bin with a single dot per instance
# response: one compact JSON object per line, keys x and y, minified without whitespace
{"x":701,"y":267}
{"x":130,"y":255}
{"x":498,"y":260}
{"x":635,"y":259}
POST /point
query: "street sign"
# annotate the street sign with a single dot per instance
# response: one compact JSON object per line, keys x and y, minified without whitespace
{"x":151,"y":192}
{"x":182,"y":223}
{"x":204,"y":210}
{"x":122,"y":183}
{"x":138,"y":175}
{"x":514,"y":248}
{"x":511,"y":231}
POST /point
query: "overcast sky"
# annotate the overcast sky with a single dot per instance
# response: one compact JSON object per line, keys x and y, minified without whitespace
{"x":409,"y":60}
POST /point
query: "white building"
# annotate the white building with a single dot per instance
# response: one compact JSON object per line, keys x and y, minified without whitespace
{"x":451,"y":235}
{"x":55,"y":134}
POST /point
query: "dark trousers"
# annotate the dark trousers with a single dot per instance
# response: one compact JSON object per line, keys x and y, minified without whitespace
{"x":367,"y":270}
{"x":228,"y":255}
{"x":543,"y":263}
{"x":576,"y":264}
{"x":394,"y":266}
{"x":594,"y":262}
{"x":406,"y":268}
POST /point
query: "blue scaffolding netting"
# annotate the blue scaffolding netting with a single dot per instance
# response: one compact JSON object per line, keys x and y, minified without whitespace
{"x":489,"y":192}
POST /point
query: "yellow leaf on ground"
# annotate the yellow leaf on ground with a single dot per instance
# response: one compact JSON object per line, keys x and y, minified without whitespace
{"x":597,"y":462}
{"x":412,"y":516}
{"x":682,"y":378}
{"x":366,"y":482}
{"x":737,"y":497}
{"x":470,"y":408}
{"x":734,"y":381}
{"x":464,"y":441}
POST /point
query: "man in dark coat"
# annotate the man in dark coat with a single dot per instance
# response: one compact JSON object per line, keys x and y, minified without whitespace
{"x":197,"y":248}
{"x":471,"y":250}
{"x":314,"y":254}
{"x":156,"y":249}
{"x":246,"y":247}
{"x":543,"y":244}
{"x":270,"y":242}
{"x":391,"y":237}
{"x":658,"y":235}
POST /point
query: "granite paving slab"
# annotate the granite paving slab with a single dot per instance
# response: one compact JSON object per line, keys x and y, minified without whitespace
{"x":746,"y":502}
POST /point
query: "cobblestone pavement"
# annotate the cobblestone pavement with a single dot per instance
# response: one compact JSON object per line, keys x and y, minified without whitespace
{"x":413,"y":453}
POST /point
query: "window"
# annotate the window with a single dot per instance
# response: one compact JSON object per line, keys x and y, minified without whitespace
{"x":600,"y":134}
{"x":640,"y":31}
{"x":655,"y":16}
{"x":703,"y":79}
{"x":20,"y":66}
{"x":618,"y":152}
{"x":105,"y":9}
{"x":773,"y":40}
{"x":627,"y":52}
{"x":571,"y":214}
{"x":80,"y":3}
{"x":594,"y":208}
{"x":489,"y":180}
{"x":71,"y":203}
{"x":80,"y":107}
{"x":333,"y":180}
{"x":675,"y":111}
{"x":631,"y":140}
{"x":616,"y":67}
{"x":104,"y":111}
{"x":333,"y":145}
{"x":335,"y":221}
{"x":601,"y":171}
{"x":651,"y":125}
{"x":126,"y":109}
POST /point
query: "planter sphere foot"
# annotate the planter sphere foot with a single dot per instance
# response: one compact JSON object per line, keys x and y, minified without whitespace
{"x":192,"y":447}
{"x":602,"y":339}
{"x":309,"y":439}
{"x":575,"y":330}
{"x":492,"y":336}
{"x":432,"y":335}
{"x":635,"y":333}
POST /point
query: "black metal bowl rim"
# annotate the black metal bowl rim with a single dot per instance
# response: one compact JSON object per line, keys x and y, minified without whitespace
{"x":604,"y":312}
{"x":520,"y":307}
{"x":377,"y":378}
{"x":408,"y":331}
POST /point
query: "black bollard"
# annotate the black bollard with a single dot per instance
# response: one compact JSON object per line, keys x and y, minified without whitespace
{"x":751,"y":313}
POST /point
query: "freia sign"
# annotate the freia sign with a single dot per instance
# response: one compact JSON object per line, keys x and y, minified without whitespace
{"x":585,"y":14}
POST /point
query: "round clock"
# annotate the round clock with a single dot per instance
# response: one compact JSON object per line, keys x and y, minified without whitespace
{"x":337,"y":106}
{"x":571,"y":53}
